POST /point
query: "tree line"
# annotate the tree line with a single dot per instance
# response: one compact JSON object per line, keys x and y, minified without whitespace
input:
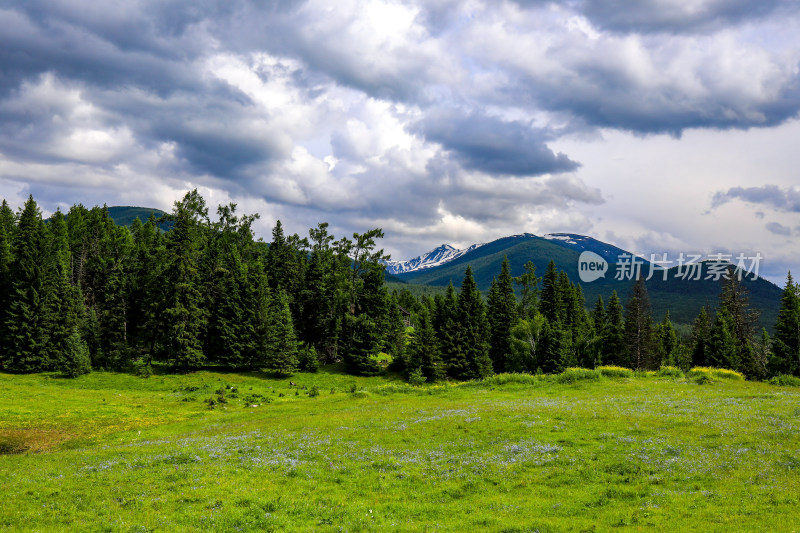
{"x":79,"y":292}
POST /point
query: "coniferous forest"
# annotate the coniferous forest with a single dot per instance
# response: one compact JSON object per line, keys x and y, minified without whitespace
{"x":78,"y":292}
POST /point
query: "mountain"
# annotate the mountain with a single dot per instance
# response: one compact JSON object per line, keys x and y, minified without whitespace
{"x":436,"y":257}
{"x":124,"y":215}
{"x":682,"y":298}
{"x":582,"y":243}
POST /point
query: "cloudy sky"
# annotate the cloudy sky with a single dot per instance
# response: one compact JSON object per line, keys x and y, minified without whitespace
{"x":656,"y":125}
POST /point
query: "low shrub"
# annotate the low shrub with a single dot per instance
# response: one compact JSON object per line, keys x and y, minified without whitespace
{"x":571,"y":375}
{"x":720,"y":373}
{"x":611,"y":371}
{"x":503,"y":379}
{"x":670,"y":371}
{"x":415,"y":378}
{"x":785,"y":380}
{"x":703,"y":379}
{"x":313,"y":391}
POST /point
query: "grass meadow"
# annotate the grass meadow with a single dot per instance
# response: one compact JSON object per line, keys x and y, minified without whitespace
{"x":248,"y":452}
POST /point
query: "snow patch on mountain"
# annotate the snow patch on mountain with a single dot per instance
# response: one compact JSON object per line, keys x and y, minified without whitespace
{"x":438,"y":256}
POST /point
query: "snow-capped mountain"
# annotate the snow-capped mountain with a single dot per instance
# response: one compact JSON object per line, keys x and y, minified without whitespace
{"x":581,"y":243}
{"x":438,"y":256}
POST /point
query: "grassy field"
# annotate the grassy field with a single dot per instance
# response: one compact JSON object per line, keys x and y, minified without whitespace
{"x":114,"y":452}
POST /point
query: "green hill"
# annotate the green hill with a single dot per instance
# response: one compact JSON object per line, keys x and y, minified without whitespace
{"x":124,"y":215}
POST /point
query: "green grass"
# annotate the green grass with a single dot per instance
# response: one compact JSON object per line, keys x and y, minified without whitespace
{"x":113,"y":452}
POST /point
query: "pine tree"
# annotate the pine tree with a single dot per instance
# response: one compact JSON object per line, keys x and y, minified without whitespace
{"x":472,"y":333}
{"x":184,"y":315}
{"x":613,"y":347}
{"x":283,"y":357}
{"x":736,"y":300}
{"x":502,"y":316}
{"x":639,"y":329}
{"x":786,"y":343}
{"x":423,"y":352}
{"x":722,"y":349}
{"x":550,"y":304}
{"x":554,"y":345}
{"x":701,"y":333}
{"x":666,"y":342}
{"x":64,"y":305}
{"x":6,"y":232}
{"x":444,"y":323}
{"x":75,"y":360}
{"x":27,"y":318}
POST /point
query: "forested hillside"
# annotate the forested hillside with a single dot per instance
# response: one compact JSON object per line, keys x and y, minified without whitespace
{"x":80,"y":292}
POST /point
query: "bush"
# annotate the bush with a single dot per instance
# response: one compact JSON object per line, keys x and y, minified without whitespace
{"x":571,"y":375}
{"x":502,"y":379}
{"x":720,"y":373}
{"x":703,"y":379}
{"x":670,"y":371}
{"x":416,"y":378}
{"x":785,"y":380}
{"x":142,"y":369}
{"x":313,"y":391}
{"x":615,"y":371}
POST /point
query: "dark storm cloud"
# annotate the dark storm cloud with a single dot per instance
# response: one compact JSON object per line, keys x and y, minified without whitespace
{"x":492,"y":145}
{"x":647,"y":16}
{"x":787,"y":199}
{"x":778,"y":229}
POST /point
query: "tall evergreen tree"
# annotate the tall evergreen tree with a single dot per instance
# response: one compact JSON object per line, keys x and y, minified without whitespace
{"x":472,"y":333}
{"x":723,"y":351}
{"x":667,"y":344}
{"x":423,"y":352}
{"x":6,"y":232}
{"x":283,"y":356}
{"x":27,"y":318}
{"x":735,"y":298}
{"x":701,"y":333}
{"x":550,"y":304}
{"x":613,"y":347}
{"x":786,"y":343}
{"x":502,"y":316}
{"x":639,"y":328}
{"x":184,"y":315}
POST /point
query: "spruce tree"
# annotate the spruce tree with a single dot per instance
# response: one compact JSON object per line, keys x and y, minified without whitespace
{"x":502,"y":316}
{"x":472,"y":333}
{"x":786,"y":343}
{"x":722,"y":349}
{"x":667,"y":344}
{"x":701,"y":332}
{"x":282,"y":358}
{"x":550,"y":301}
{"x":184,"y":315}
{"x":444,"y":323}
{"x":423,"y":352}
{"x":27,"y":346}
{"x":6,"y":231}
{"x":639,"y":329}
{"x":612,"y":341}
{"x":74,"y":360}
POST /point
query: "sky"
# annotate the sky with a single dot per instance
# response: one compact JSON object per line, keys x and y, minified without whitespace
{"x":660,"y":126}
